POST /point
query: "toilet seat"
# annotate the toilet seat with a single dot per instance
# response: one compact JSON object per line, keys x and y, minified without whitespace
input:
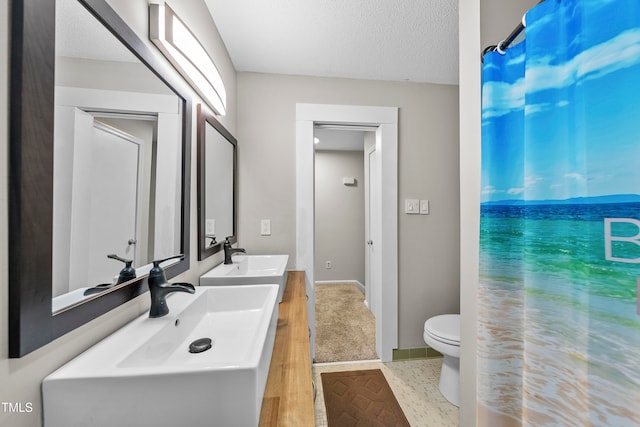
{"x":442,"y":333}
{"x":444,"y":328}
{"x":442,"y":340}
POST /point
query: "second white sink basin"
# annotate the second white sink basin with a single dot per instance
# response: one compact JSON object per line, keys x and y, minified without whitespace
{"x":250,"y":270}
{"x":145,"y":375}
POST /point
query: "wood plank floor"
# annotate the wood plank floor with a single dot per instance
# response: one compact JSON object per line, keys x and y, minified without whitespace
{"x":288,"y":396}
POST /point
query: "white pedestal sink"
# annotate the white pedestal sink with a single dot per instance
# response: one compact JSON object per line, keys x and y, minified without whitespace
{"x":249,"y":269}
{"x":144,"y":374}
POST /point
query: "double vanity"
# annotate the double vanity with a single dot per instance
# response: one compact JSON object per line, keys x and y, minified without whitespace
{"x":105,"y":174}
{"x":205,"y":363}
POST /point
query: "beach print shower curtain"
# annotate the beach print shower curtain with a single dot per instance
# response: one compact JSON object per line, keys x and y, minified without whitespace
{"x":558,"y":311}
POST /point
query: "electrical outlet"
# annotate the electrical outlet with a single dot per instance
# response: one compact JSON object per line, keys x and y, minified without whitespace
{"x":327,"y":265}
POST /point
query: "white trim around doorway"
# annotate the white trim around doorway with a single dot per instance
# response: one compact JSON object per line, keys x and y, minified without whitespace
{"x":386,"y":119}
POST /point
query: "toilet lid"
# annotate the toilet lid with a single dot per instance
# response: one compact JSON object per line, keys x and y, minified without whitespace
{"x":446,"y":326}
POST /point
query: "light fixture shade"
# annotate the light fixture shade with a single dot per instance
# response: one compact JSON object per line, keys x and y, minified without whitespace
{"x":184,"y":51}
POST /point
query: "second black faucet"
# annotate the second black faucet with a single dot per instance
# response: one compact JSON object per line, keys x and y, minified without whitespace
{"x":228,"y":251}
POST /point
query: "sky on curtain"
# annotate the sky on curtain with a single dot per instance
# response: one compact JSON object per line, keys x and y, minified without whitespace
{"x":600,"y":70}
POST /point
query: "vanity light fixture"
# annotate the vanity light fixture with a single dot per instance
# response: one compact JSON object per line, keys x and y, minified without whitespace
{"x":181,"y":47}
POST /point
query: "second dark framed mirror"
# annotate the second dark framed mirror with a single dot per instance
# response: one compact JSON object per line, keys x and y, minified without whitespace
{"x":216,"y":184}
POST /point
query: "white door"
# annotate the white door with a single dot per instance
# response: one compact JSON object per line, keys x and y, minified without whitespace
{"x":115,"y":178}
{"x":370,"y":277}
{"x":375,"y":237}
{"x":106,"y":165}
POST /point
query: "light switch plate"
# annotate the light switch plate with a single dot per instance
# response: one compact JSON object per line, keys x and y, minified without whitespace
{"x":265,"y":227}
{"x":424,"y":207}
{"x":210,"y":226}
{"x":411,"y":206}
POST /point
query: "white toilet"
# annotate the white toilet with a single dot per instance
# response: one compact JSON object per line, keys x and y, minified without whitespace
{"x":442,"y":333}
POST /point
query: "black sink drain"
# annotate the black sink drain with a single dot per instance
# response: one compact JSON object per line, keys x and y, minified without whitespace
{"x":200,"y":345}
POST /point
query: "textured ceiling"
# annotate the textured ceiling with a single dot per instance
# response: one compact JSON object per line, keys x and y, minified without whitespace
{"x":81,"y":39}
{"x":78,"y":35}
{"x":401,"y":40}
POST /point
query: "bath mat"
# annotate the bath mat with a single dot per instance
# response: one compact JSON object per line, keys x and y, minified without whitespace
{"x":360,"y":398}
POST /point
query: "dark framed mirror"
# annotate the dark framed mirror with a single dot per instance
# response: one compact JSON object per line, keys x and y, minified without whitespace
{"x":216,"y":184}
{"x":57,"y":275}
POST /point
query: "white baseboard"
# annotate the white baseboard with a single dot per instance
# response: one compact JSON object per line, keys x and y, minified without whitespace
{"x":341,"y":282}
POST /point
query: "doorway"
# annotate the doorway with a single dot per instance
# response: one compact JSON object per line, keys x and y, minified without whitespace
{"x":385,"y":119}
{"x":112,"y":157}
{"x":156,"y":120}
{"x":345,"y":326}
{"x":110,"y":166}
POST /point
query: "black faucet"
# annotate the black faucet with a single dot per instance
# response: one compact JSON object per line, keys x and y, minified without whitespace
{"x":228,"y":251}
{"x":213,"y":239}
{"x":160,"y":288}
{"x":126,"y":274}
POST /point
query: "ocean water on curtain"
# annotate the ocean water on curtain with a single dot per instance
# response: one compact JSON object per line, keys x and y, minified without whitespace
{"x":559,"y":320}
{"x":546,"y":264}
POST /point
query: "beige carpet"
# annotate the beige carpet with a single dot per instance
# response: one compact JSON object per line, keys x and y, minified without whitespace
{"x":345,"y":328}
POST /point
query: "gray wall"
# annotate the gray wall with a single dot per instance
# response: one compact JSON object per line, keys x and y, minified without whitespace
{"x":20,"y":379}
{"x":340,"y":234}
{"x":428,"y":169}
